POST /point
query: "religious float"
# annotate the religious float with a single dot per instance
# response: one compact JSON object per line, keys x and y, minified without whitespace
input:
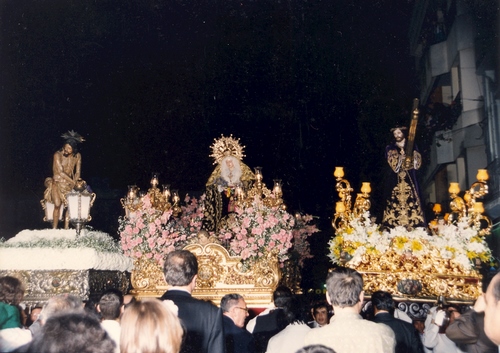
{"x":240,"y":231}
{"x":60,"y":261}
{"x":415,"y":264}
{"x":79,"y":261}
{"x":243,"y":237}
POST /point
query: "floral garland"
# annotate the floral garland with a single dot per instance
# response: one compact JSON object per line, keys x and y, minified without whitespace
{"x":147,"y":233}
{"x":191,"y":218}
{"x":252,"y":232}
{"x":98,"y":241}
{"x":249,"y":233}
{"x":460,"y":243}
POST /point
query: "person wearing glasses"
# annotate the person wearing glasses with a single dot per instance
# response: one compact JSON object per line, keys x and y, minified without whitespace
{"x":235,"y":312}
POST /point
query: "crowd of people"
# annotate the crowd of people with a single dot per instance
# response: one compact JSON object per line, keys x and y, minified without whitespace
{"x":178,"y":322}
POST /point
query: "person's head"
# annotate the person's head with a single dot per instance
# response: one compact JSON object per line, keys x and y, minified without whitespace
{"x":399,"y":133}
{"x":453,"y":312}
{"x":295,"y":311}
{"x":203,"y":237}
{"x":34,"y":314}
{"x":492,"y":310}
{"x":419,"y":325}
{"x":76,"y":331}
{"x":149,"y":326}
{"x":229,"y":162}
{"x":180,"y":268}
{"x":382,"y":301}
{"x":69,"y":148}
{"x":231,"y":165}
{"x":59,"y":304}
{"x":344,"y":288}
{"x":128,"y":299}
{"x":11,"y":290}
{"x":71,"y":141}
{"x":315,"y":348}
{"x":281,"y":296}
{"x":110,"y":305}
{"x":320,"y":314}
{"x":234,"y":306}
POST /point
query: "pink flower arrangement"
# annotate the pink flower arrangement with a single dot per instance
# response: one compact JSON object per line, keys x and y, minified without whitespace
{"x":302,"y":230}
{"x":252,"y":232}
{"x":191,"y":218}
{"x":150,"y":234}
{"x":249,"y":233}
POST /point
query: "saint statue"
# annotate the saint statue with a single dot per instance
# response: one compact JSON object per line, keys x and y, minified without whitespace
{"x":203,"y":238}
{"x":66,"y":167}
{"x":229,"y":174}
{"x":404,"y":205}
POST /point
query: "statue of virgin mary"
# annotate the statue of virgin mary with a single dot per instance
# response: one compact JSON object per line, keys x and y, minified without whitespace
{"x":229,"y":174}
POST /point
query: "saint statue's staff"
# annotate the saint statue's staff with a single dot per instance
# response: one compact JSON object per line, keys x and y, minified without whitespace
{"x":411,"y":135}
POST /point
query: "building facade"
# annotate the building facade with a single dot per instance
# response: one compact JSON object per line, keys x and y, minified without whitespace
{"x":456,"y":48}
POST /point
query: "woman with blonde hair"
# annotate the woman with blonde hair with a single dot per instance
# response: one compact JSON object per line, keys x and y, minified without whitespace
{"x":150,"y":325}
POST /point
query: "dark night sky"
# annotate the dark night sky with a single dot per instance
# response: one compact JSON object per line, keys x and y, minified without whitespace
{"x":305,"y":85}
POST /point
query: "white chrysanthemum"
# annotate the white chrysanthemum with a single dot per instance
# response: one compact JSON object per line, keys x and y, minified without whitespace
{"x":446,"y":254}
{"x":358,"y":256}
{"x":476,"y":247}
{"x":463,"y":261}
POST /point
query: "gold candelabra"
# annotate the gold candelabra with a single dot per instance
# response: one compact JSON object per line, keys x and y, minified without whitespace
{"x":259,"y":194}
{"x":344,"y":211}
{"x":468,"y":206}
{"x":160,"y":199}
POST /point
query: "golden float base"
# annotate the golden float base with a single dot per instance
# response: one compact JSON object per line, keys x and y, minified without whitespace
{"x":218,"y":274}
{"x":86,"y":284}
{"x":422,"y":278}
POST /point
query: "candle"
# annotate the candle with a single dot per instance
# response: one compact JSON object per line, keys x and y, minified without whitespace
{"x":258,"y":173}
{"x":366,"y":188}
{"x":454,"y":188}
{"x":166,"y":190}
{"x":339,"y":172}
{"x":482,"y":175}
{"x":154,"y":180}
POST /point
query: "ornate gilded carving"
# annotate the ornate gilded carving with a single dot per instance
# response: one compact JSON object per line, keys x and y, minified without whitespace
{"x":99,"y":281}
{"x":41,"y":285}
{"x":436,"y":276}
{"x":147,"y":275}
{"x":218,"y":274}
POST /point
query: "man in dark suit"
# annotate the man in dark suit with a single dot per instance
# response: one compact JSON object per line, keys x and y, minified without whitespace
{"x":235,"y":311}
{"x":202,"y":321}
{"x":270,"y":321}
{"x":407,"y":338}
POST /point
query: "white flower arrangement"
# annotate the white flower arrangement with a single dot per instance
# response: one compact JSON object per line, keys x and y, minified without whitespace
{"x":460,"y":243}
{"x":54,"y":249}
{"x":63,"y":239}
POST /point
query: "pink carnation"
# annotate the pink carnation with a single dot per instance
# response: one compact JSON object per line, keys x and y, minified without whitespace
{"x":245,"y":254}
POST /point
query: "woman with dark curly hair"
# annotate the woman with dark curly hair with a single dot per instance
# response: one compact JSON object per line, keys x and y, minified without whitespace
{"x":11,"y":294}
{"x":12,"y":335}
